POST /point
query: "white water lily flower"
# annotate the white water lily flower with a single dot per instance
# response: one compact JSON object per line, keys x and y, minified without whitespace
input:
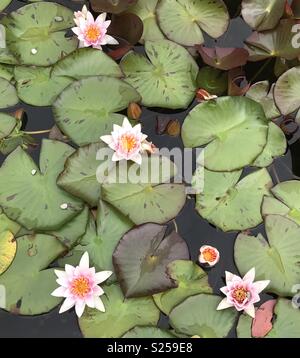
{"x":79,"y":286}
{"x":128,"y":142}
{"x":91,"y":32}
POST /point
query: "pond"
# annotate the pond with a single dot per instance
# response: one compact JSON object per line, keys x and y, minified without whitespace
{"x":194,"y":229}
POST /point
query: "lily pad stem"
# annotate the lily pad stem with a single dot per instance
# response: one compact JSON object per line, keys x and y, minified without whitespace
{"x":175,"y":225}
{"x":38,"y":132}
{"x":262,"y":68}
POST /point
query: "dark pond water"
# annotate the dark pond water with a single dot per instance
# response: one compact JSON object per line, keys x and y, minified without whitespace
{"x":192,"y":227}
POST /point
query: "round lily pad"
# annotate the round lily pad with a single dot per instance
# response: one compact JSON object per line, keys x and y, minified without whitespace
{"x":225,"y":126}
{"x":182,"y":21}
{"x":285,"y":201}
{"x":262,"y":15}
{"x":6,"y":72}
{"x":36,"y":33}
{"x":214,"y":81}
{"x":8,"y":249}
{"x":287,"y":91}
{"x":146,"y":11}
{"x":198,"y":316}
{"x":8,"y":225}
{"x":4,"y":4}
{"x":27,"y":281}
{"x":276,"y":147}
{"x":151,"y":197}
{"x":121,"y":315}
{"x":167,"y":79}
{"x":276,"y":259}
{"x":148,"y":332}
{"x":231,"y":204}
{"x":8,"y":94}
{"x":7,"y":124}
{"x":101,"y":238}
{"x":86,"y":62}
{"x":30,"y":196}
{"x":190,"y":280}
{"x":141,"y":259}
{"x":87,"y":109}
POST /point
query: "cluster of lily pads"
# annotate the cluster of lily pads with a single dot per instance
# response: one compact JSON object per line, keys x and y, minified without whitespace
{"x":54,"y":212}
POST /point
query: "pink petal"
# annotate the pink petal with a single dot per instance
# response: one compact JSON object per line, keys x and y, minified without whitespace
{"x":97,"y":291}
{"x":261,"y":285}
{"x":79,"y":308}
{"x":250,"y":275}
{"x":229,"y":276}
{"x":84,"y":261}
{"x":224,"y":290}
{"x":102,"y":276}
{"x":90,"y":301}
{"x":59,"y":292}
{"x":69,"y":269}
{"x":68,"y":304}
{"x":224,"y":304}
{"x":90,"y":18}
{"x":63,"y":282}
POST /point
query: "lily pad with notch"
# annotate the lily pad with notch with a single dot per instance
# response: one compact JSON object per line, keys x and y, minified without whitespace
{"x":8,"y":94}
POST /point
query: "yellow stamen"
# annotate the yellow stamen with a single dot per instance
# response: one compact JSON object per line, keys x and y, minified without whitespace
{"x":92,"y":33}
{"x":240,"y":294}
{"x":128,"y":142}
{"x":209,"y":255}
{"x":80,"y":287}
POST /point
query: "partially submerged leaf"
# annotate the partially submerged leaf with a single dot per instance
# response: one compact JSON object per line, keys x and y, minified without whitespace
{"x":262,"y":324}
{"x":112,"y":6}
{"x":8,"y":249}
{"x":7,"y":124}
{"x":126,"y":26}
{"x":8,"y":94}
{"x":212,"y":80}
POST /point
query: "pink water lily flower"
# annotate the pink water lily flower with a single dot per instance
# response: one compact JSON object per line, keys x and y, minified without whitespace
{"x":128,"y":142}
{"x":209,"y":255}
{"x":242,"y":293}
{"x":79,"y":286}
{"x":91,"y":32}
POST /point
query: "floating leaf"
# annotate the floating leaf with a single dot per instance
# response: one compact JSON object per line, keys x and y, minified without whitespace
{"x":167,"y":80}
{"x":231,"y":204}
{"x":182,"y":21}
{"x":4,"y":4}
{"x":190,"y":279}
{"x":273,"y":43}
{"x":126,"y":26}
{"x":276,"y":147}
{"x":145,"y":10}
{"x":198,"y":315}
{"x":223,"y":58}
{"x":29,"y":195}
{"x":8,"y":94}
{"x":101,"y":238}
{"x":225,"y":125}
{"x":263,"y":94}
{"x":212,"y":80}
{"x":285,"y":202}
{"x":35,"y":35}
{"x":287,"y":91}
{"x":8,"y":225}
{"x":87,"y":108}
{"x":112,"y":6}
{"x":276,"y":260}
{"x":80,"y":174}
{"x":262,"y":324}
{"x":7,"y":72}
{"x":148,"y":332}
{"x":8,"y":249}
{"x":262,"y":14}
{"x":141,"y":259}
{"x":28,"y":282}
{"x":7,"y":124}
{"x":151,"y":198}
{"x":121,"y":315}
{"x":237,"y":82}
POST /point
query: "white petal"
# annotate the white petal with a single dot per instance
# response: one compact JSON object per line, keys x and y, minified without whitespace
{"x":126,"y":124}
{"x":63,"y":282}
{"x":99,"y":304}
{"x":108,"y":139}
{"x":101,"y":18}
{"x":229,"y":276}
{"x":116,"y":157}
{"x":69,"y":269}
{"x":97,"y":290}
{"x":79,"y":308}
{"x":261,"y":285}
{"x":90,"y":17}
{"x":137,"y":159}
{"x":110,"y":40}
{"x":250,"y":275}
{"x":106,"y":24}
{"x":223,"y":305}
{"x":60,"y":274}
{"x":90,"y":302}
{"x":68,"y":304}
{"x":84,"y":261}
{"x":102,"y":276}
{"x":98,"y":47}
{"x":59,"y":292}
{"x":76,"y":30}
{"x":224,"y":290}
{"x":250,"y":310}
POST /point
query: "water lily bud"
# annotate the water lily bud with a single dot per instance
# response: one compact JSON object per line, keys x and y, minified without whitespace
{"x":134,"y":111}
{"x":209,"y":255}
{"x":203,"y":96}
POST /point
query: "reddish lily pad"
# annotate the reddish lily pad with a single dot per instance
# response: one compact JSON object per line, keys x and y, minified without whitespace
{"x":262,"y":324}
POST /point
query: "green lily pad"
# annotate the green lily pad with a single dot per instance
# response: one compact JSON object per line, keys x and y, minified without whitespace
{"x":7,"y":124}
{"x":285,"y":201}
{"x":273,"y":43}
{"x":86,"y":62}
{"x":8,"y":249}
{"x":243,"y":328}
{"x":225,"y":126}
{"x":141,"y":259}
{"x":86,"y":109}
{"x":262,"y":14}
{"x":80,"y":174}
{"x":263,"y":94}
{"x":190,"y":279}
{"x":182,"y":21}
{"x":287,"y":91}
{"x":4,"y":4}
{"x":100,"y":239}
{"x":121,"y":315}
{"x":276,"y":260}
{"x":7,"y":57}
{"x":37,"y":87}
{"x":8,"y":225}
{"x":146,"y":11}
{"x":214,"y":81}
{"x":7,"y":72}
{"x":167,"y":79}
{"x":30,"y":196}
{"x":276,"y":147}
{"x":8,"y":94}
{"x":148,"y":332}
{"x":28,"y":282}
{"x":151,"y":198}
{"x":35,"y":33}
{"x":198,"y":315}
{"x":231,"y":204}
